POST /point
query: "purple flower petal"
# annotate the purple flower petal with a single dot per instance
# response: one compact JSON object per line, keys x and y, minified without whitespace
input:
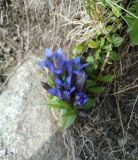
{"x":68,"y":81}
{"x":55,"y":92}
{"x":58,"y":71}
{"x":58,"y":82}
{"x":80,"y":99}
{"x":84,"y":65}
{"x":77,"y":72}
{"x":48,"y":53}
{"x":72,"y":89}
{"x":42,"y":64}
{"x":76,"y":60}
{"x":59,"y":51}
{"x":66,"y":93}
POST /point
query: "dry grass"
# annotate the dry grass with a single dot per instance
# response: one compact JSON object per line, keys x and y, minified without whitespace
{"x":27,"y":27}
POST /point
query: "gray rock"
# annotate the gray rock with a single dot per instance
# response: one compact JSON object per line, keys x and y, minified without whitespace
{"x":28,"y":131}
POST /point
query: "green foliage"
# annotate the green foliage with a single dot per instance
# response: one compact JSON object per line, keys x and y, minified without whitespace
{"x":90,"y":83}
{"x":50,"y":81}
{"x":88,"y":6}
{"x":108,"y":78}
{"x":114,"y":56}
{"x":133,"y":24}
{"x":67,"y":118}
{"x":132,"y":29}
{"x":93,"y":44}
{"x":99,"y":51}
{"x":117,"y":41}
{"x":54,"y":102}
{"x":134,"y":33}
{"x":90,"y":59}
{"x":116,"y":12}
{"x":67,"y":113}
{"x":79,"y":48}
{"x":90,"y":103}
{"x":96,"y":89}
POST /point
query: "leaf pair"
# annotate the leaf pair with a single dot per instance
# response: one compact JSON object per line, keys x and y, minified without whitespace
{"x":133,"y":26}
{"x":54,"y":102}
{"x":67,"y":118}
{"x":67,"y":113}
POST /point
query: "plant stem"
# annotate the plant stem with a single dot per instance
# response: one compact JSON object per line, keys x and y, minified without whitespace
{"x":104,"y":64}
{"x":111,"y":3}
{"x":95,"y":9}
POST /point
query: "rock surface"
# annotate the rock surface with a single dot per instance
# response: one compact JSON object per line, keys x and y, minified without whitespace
{"x":28,"y":131}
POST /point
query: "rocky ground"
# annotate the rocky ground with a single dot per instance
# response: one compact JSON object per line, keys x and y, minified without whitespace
{"x":28,"y":131}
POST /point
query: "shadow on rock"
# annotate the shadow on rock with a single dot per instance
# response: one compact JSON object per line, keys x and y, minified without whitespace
{"x":51,"y":150}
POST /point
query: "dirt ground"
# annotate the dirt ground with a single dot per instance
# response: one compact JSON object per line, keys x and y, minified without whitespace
{"x":111,"y":131}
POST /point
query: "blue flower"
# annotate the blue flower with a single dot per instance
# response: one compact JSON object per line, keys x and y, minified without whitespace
{"x":58,"y":83}
{"x":68,"y":77}
{"x":53,"y":62}
{"x":76,"y":66}
{"x":48,"y":54}
{"x":80,"y":99}
{"x":55,"y":92}
{"x":67,"y":94}
{"x":65,"y":88}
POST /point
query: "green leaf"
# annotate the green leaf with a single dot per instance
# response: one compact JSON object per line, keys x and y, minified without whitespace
{"x":67,"y":118}
{"x":109,"y":28}
{"x":88,"y":70}
{"x":108,"y":47}
{"x":108,"y":78}
{"x":79,"y":48}
{"x":90,"y":59}
{"x":104,"y":3}
{"x":93,"y":44}
{"x":90,"y":83}
{"x":117,"y":41}
{"x":130,"y":21}
{"x":90,"y":103}
{"x":114,"y":56}
{"x":102,"y":41}
{"x":116,"y":12}
{"x":134,"y":33}
{"x":86,"y":36}
{"x":55,"y":102}
{"x":109,"y":39}
{"x":97,"y":54}
{"x":50,"y":81}
{"x":88,"y":7}
{"x":97,"y":89}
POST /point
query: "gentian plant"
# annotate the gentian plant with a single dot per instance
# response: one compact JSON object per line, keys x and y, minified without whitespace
{"x":72,"y":85}
{"x":66,"y":85}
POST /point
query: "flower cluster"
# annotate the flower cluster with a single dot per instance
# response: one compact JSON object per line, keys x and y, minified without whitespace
{"x":68,"y":77}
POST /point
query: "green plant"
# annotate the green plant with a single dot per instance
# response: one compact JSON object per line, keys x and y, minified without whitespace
{"x":105,"y":41}
{"x":65,"y":85}
{"x":101,"y":49}
{"x":132,"y":22}
{"x":74,"y":83}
